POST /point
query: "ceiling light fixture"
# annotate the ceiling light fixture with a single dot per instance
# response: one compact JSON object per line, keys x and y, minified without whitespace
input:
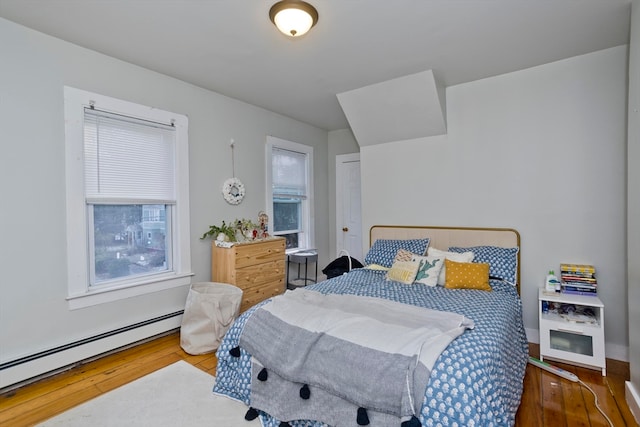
{"x":293,"y":17}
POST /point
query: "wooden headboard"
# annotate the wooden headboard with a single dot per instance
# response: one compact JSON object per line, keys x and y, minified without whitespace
{"x":444,"y":237}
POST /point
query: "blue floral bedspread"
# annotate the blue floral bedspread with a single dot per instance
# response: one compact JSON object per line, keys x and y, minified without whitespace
{"x":476,"y":381}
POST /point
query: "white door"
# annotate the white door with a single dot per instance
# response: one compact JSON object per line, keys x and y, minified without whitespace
{"x":348,"y":210}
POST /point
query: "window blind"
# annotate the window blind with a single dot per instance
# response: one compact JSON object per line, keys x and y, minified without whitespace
{"x":289,"y":174}
{"x":127,"y":159}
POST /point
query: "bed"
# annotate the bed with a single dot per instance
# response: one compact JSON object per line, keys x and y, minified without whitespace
{"x":474,"y":380}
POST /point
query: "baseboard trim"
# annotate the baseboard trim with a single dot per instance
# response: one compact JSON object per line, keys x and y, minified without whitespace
{"x":633,"y":399}
{"x":16,"y":372}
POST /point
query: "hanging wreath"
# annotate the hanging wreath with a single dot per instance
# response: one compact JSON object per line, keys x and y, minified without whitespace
{"x":233,"y":188}
{"x":233,"y":191}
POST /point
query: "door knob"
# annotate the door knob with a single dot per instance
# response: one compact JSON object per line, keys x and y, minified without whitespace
{"x":345,"y":229}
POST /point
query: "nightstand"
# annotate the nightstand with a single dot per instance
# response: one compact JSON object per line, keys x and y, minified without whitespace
{"x":572,"y":329}
{"x":302,"y":257}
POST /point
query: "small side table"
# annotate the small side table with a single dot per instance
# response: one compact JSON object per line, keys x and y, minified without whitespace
{"x":305,"y":257}
{"x":578,"y":340}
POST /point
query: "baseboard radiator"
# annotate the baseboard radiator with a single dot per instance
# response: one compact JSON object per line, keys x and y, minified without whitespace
{"x":19,"y":371}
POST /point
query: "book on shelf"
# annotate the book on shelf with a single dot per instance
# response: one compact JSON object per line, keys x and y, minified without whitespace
{"x":577,"y":268}
{"x":585,"y":293}
{"x":573,"y":278}
{"x":579,"y":290}
{"x":578,"y":275}
{"x":578,"y":279}
{"x":578,"y":286}
{"x":578,"y":283}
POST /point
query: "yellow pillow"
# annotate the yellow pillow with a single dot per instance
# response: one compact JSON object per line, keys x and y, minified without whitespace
{"x":467,"y":275}
{"x":403,"y":271}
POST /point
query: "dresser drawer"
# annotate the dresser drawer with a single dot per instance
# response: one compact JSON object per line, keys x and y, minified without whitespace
{"x":576,"y":342}
{"x":255,"y":294}
{"x":253,"y":275}
{"x":257,"y":253}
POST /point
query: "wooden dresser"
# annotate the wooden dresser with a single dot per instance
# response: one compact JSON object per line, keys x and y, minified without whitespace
{"x":258,"y":268}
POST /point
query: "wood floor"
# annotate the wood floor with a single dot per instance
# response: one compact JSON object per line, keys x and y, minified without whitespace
{"x":548,"y":400}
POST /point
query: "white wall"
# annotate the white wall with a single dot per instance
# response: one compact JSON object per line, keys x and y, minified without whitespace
{"x":34,"y":68}
{"x":540,"y":150}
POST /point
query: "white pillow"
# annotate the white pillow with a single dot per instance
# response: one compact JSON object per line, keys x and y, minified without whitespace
{"x":453,"y":256}
{"x":429,"y":269}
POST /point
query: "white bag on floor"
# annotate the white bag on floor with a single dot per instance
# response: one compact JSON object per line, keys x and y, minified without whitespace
{"x":209,"y":311}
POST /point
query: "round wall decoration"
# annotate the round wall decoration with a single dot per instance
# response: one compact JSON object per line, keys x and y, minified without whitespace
{"x":233,"y":191}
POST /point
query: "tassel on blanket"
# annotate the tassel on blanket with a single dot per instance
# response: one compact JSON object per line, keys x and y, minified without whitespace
{"x":235,"y":351}
{"x":305,"y":393}
{"x":251,"y":414}
{"x":363,"y":418}
{"x":413,"y":422}
{"x":262,"y":375}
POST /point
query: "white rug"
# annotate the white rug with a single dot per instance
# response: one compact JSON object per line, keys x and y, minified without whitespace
{"x":175,"y":396}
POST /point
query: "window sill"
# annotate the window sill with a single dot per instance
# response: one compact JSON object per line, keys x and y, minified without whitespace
{"x":102,"y":296}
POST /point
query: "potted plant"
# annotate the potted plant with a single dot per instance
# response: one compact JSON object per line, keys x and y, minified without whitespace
{"x":223,"y":233}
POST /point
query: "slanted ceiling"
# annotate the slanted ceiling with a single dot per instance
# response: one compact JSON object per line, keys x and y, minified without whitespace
{"x":408,"y":107}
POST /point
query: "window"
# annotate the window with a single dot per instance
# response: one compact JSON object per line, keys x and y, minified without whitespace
{"x":127,"y":198}
{"x":290,"y":192}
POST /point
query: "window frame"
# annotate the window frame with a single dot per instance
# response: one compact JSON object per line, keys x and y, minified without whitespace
{"x":79,"y":293}
{"x":308,"y":229}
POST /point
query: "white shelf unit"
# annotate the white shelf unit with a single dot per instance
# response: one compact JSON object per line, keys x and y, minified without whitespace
{"x":578,"y":342}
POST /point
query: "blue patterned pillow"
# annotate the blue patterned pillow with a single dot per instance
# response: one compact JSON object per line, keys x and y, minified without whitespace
{"x":503,"y":262}
{"x":384,"y":251}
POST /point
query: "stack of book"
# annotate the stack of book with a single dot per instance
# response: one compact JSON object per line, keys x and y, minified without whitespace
{"x":578,"y":279}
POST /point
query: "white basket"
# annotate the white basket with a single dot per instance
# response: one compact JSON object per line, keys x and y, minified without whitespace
{"x":210,"y":309}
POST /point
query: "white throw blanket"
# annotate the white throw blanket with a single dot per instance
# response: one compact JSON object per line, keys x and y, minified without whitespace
{"x":349,"y":352}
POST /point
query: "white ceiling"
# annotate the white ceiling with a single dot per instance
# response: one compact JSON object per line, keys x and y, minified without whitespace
{"x":231,"y":46}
